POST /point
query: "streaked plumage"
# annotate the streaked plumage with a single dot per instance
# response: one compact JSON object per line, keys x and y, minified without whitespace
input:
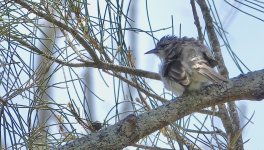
{"x":186,"y":64}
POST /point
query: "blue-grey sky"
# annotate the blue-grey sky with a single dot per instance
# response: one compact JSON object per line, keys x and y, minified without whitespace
{"x":244,"y":33}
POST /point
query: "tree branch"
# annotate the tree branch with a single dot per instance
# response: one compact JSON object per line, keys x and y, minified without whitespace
{"x":213,"y":37}
{"x":96,"y":64}
{"x":102,"y":65}
{"x":197,"y":22}
{"x":52,"y":20}
{"x":133,"y":128}
{"x":230,"y":116}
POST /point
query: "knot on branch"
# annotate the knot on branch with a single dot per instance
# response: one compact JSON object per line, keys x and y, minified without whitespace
{"x":128,"y":125}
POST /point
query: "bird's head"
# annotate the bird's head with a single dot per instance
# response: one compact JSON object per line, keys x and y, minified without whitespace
{"x":163,"y":47}
{"x":170,"y":46}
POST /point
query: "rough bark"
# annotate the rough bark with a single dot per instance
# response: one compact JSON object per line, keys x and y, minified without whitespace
{"x":131,"y":129}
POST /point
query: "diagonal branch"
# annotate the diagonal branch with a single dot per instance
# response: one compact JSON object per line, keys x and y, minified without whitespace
{"x":73,"y":32}
{"x":197,"y":22}
{"x":213,"y":37}
{"x":133,"y":128}
{"x":102,"y":65}
{"x":96,"y":64}
{"x":233,"y":127}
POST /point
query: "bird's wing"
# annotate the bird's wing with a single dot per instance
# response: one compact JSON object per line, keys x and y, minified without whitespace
{"x":174,"y":70}
{"x":209,"y":73}
{"x":208,"y":56}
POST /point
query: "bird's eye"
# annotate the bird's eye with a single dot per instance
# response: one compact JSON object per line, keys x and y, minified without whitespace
{"x":163,"y":45}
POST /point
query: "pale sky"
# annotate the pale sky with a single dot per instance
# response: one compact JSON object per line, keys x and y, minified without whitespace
{"x":245,"y":35}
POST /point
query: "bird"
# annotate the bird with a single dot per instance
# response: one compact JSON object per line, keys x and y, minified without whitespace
{"x":186,"y":64}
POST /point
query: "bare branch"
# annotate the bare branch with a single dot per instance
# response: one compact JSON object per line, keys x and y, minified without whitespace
{"x":74,"y":33}
{"x":197,"y":22}
{"x":140,"y":88}
{"x":234,"y":127}
{"x":133,"y":128}
{"x":102,"y":65}
{"x":213,"y":37}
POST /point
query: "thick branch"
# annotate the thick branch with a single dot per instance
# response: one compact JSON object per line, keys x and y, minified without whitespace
{"x":133,"y":128}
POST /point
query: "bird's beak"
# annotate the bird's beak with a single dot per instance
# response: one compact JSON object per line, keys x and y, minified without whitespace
{"x":153,"y":51}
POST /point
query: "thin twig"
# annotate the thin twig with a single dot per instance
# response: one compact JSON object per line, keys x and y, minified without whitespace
{"x":67,"y":38}
{"x":167,"y":132}
{"x":149,"y":147}
{"x":137,"y":87}
{"x":102,"y":65}
{"x":74,"y":32}
{"x":197,"y":22}
{"x":209,"y":112}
